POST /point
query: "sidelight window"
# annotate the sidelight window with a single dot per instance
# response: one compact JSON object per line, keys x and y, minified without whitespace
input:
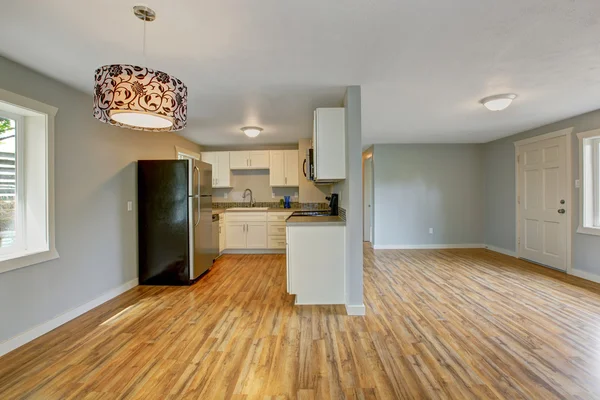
{"x":589,"y":153}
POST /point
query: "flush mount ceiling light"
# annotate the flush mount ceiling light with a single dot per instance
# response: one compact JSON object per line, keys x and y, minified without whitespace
{"x":137,"y":97}
{"x":252,"y":131}
{"x":498,"y":102}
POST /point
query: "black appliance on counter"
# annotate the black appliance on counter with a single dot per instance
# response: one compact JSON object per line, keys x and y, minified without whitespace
{"x":333,"y":203}
{"x":333,"y":209}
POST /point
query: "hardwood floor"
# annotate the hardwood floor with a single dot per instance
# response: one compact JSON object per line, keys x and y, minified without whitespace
{"x":440,"y":324}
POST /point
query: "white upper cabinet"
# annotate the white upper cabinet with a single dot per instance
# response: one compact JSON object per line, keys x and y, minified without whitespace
{"x":239,"y":159}
{"x":329,"y":144}
{"x":221,"y":173}
{"x":284,"y":168}
{"x":291,"y":167}
{"x":257,"y":159}
{"x":277,"y":172}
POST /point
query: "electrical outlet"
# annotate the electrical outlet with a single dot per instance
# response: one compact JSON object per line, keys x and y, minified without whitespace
{"x":431,"y":231}
{"x":272,"y":195}
{"x":130,"y":206}
{"x":225,"y":195}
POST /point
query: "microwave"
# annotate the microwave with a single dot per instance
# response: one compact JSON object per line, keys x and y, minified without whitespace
{"x":308,"y":168}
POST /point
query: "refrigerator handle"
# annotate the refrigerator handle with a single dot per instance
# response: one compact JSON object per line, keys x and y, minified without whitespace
{"x":198,"y":199}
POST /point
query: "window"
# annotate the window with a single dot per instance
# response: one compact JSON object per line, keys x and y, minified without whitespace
{"x":185,"y":154}
{"x":11,"y":200}
{"x":589,"y":154}
{"x":26,"y":182}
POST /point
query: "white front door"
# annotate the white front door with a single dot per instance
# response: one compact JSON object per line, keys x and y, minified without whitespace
{"x":542,"y":202}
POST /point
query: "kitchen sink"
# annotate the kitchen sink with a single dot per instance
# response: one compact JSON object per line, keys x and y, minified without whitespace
{"x":248,"y":209}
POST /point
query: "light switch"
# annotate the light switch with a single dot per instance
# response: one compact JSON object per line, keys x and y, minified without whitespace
{"x":431,"y":231}
{"x":130,"y":206}
{"x":225,"y":195}
{"x":577,"y":183}
{"x":272,"y":195}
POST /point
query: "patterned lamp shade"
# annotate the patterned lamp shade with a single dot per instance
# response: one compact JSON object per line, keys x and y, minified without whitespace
{"x":139,"y":98}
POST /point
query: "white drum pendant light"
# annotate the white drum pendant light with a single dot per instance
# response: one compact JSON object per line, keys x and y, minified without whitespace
{"x":137,"y":97}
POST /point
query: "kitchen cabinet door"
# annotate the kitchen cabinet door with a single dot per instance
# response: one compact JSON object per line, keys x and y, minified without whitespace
{"x":291,"y":167}
{"x":256,"y":235}
{"x":239,"y":160}
{"x":329,"y":148}
{"x":221,"y":237}
{"x":277,"y":168}
{"x":223,"y":172}
{"x":235,"y":235}
{"x":259,"y":159}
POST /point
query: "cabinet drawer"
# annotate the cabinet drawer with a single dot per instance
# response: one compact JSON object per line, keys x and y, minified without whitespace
{"x":279,"y":216}
{"x":246,"y":216}
{"x":276,"y":229}
{"x":277,"y":242}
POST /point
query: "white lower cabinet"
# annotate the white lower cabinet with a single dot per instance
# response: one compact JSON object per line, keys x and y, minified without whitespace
{"x":235,"y":234}
{"x":254,"y":230}
{"x":315,"y":257}
{"x":221,"y":233}
{"x":256,"y":235}
{"x":246,"y":230}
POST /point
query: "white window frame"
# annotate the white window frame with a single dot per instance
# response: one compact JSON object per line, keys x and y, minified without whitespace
{"x":19,"y":243}
{"x":17,"y":104}
{"x":589,"y":182}
{"x":185,"y":154}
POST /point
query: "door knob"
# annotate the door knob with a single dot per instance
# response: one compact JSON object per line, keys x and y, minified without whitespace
{"x":561,"y":211}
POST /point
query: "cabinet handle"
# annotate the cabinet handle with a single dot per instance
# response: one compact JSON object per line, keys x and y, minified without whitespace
{"x":250,"y":162}
{"x":286,"y":180}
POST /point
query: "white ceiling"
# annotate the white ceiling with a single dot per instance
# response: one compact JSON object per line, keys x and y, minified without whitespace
{"x":422,"y":64}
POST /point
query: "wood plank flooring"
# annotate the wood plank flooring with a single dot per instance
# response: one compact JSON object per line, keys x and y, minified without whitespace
{"x":462,"y":324}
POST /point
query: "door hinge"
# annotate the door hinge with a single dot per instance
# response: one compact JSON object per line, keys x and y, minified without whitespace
{"x":518,"y":158}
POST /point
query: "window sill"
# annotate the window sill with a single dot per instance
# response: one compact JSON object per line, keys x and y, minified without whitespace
{"x":26,"y":258}
{"x":588,"y":231}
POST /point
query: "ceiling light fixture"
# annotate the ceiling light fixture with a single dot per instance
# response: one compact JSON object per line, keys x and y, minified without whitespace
{"x":252,"y":131}
{"x":137,"y":97}
{"x":498,"y":102}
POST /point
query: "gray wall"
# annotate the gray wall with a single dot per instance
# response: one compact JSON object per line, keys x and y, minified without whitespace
{"x":418,"y":187}
{"x":350,"y":191}
{"x":500,"y":209}
{"x":94,"y":178}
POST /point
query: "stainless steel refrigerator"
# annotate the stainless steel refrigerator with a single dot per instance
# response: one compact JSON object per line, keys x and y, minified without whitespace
{"x":175,"y":242}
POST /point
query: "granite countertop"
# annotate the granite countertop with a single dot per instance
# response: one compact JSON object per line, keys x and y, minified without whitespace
{"x":316,"y":221}
{"x":254,"y":209}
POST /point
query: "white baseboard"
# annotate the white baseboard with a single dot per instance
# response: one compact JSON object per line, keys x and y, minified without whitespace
{"x":426,"y":246}
{"x":501,"y":251}
{"x":355,"y":309}
{"x":586,"y":275}
{"x":26,"y":337}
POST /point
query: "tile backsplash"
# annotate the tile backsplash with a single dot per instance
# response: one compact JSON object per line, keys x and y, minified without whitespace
{"x":271,"y":204}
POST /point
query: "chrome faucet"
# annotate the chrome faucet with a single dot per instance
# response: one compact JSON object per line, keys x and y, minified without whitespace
{"x":252,"y":202}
